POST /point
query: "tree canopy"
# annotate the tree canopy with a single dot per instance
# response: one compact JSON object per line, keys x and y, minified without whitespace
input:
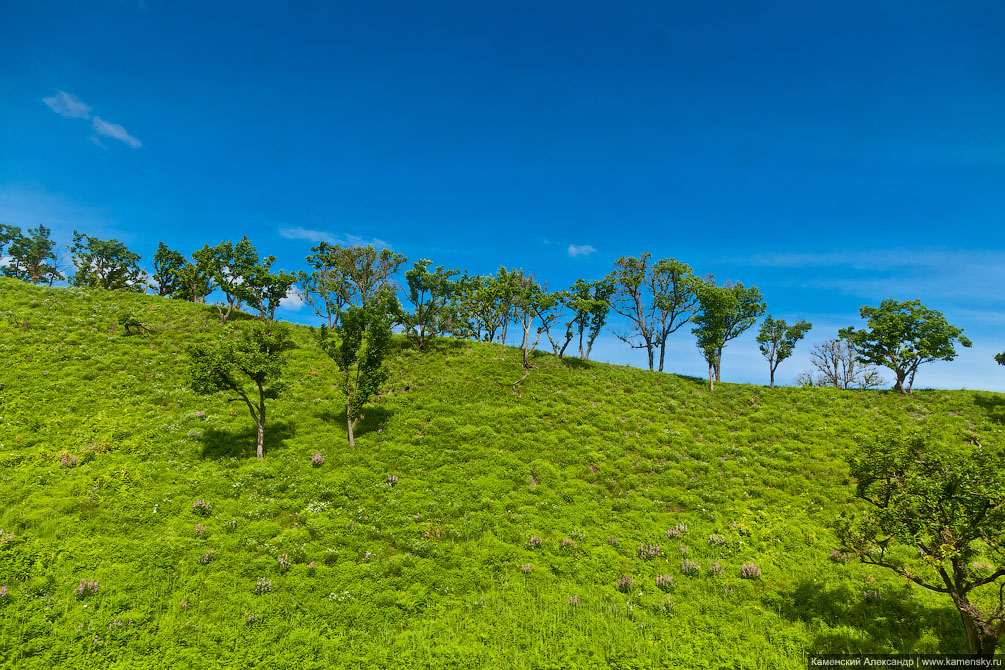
{"x":777,"y":340}
{"x":107,"y":264}
{"x":902,"y":336}
{"x":724,"y":313}
{"x":935,"y":506}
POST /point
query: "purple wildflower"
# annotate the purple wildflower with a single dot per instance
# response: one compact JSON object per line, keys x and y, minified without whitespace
{"x":750,"y":571}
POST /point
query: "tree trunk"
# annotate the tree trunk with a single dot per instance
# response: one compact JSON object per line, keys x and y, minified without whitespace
{"x":649,"y":348}
{"x":261,"y":439}
{"x":349,"y":422}
{"x":772,"y":384}
{"x":663,"y":346}
{"x":711,"y":381}
{"x":718,"y":363}
{"x":982,"y":643}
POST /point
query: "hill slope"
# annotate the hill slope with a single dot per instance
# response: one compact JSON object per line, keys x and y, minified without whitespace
{"x":440,"y":569}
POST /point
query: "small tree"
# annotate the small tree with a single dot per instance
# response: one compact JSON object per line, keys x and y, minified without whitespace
{"x":107,"y":264}
{"x":675,"y":299}
{"x":248,"y":362}
{"x":724,"y":313}
{"x":838,"y":364}
{"x":590,"y":303}
{"x":933,"y":509}
{"x":902,"y":336}
{"x":229,"y":265}
{"x":777,"y":340}
{"x":264,"y":289}
{"x":1000,"y":358}
{"x":633,"y":299}
{"x":325,"y":288}
{"x":169,"y":266}
{"x":429,"y":293}
{"x":358,"y":344}
{"x":32,"y":257}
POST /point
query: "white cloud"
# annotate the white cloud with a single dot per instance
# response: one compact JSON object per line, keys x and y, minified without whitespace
{"x":68,"y":105}
{"x":580,"y":250}
{"x":347,"y":240}
{"x":292,"y":301}
{"x":115,"y":131}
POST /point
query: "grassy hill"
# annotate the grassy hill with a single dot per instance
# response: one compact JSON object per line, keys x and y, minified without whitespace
{"x":512,"y":504}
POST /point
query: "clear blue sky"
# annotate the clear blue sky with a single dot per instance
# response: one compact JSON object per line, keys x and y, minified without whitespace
{"x":831,"y":153}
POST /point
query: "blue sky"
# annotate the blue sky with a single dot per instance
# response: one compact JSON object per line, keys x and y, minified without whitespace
{"x":833,"y":154}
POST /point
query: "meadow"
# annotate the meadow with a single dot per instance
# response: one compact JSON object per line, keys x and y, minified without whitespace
{"x":590,"y":515}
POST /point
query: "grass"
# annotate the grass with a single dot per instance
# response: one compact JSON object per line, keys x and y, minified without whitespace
{"x":104,"y":451}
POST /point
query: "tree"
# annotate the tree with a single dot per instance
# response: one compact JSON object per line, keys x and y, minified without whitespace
{"x":169,"y":266}
{"x":675,"y":298}
{"x":429,"y":293}
{"x":724,"y":313}
{"x":838,"y":364}
{"x":264,"y":289}
{"x":32,"y":257}
{"x":902,"y":336}
{"x":248,"y":362}
{"x":589,"y":303}
{"x":8,"y":234}
{"x":933,"y":509}
{"x":633,"y":299}
{"x":325,"y":288}
{"x":1000,"y":358}
{"x":106,"y":264}
{"x":777,"y":340}
{"x":229,"y":266}
{"x":358,"y":344}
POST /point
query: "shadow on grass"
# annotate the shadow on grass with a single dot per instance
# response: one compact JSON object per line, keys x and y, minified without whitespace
{"x":373,"y":419}
{"x":897,"y":622}
{"x":242,"y":443}
{"x":994,"y":403}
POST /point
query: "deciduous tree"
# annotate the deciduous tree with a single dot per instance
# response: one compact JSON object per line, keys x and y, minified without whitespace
{"x":936,"y":516}
{"x":107,"y":264}
{"x":248,"y":362}
{"x":429,"y":294}
{"x":902,"y":336}
{"x":589,"y":304}
{"x":358,"y":344}
{"x":724,"y":313}
{"x":30,"y":257}
{"x":837,"y":364}
{"x":777,"y":341}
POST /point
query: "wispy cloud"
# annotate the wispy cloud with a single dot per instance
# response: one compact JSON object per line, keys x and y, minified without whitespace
{"x":347,"y":240}
{"x":115,"y":131}
{"x":70,"y":106}
{"x":580,"y":250}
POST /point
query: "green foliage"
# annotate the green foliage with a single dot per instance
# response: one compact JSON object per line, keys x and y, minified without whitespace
{"x":724,"y":313}
{"x":249,"y":353}
{"x":1000,"y":358}
{"x":429,"y":294}
{"x":105,"y":264}
{"x":31,"y":257}
{"x":777,"y":340}
{"x":427,"y":572}
{"x":358,"y":344}
{"x":177,"y":277}
{"x":589,"y":304}
{"x":945,"y":504}
{"x":230,"y":266}
{"x":902,"y":336}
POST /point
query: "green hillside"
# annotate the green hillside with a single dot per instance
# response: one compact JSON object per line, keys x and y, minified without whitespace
{"x":512,"y":503}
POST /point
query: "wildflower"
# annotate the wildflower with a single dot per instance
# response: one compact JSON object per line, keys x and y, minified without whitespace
{"x":392,"y":479}
{"x":625,"y":584}
{"x":573,"y":600}
{"x":284,"y":561}
{"x":716,"y":540}
{"x":750,"y":571}
{"x":715,"y":568}
{"x":525,"y":568}
{"x":838,"y":557}
{"x":664,"y":582}
{"x":689,"y":567}
{"x":206,"y":558}
{"x":86,"y":586}
{"x":646,"y":551}
{"x":567,"y":543}
{"x":263,"y":586}
{"x":534,"y":542}
{"x":873,"y":594}
{"x":611,"y":540}
{"x":202,"y":507}
{"x":317,"y":460}
{"x":200,"y":530}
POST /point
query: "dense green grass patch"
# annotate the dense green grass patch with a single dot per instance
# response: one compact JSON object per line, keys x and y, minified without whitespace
{"x":104,"y":450}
